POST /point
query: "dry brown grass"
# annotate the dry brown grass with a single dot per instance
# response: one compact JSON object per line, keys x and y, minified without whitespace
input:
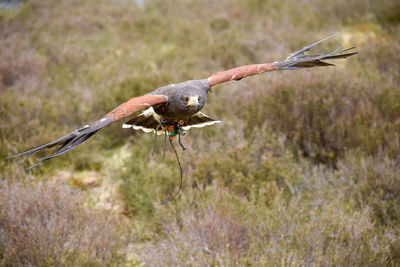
{"x":201,"y":237}
{"x":49,"y":225}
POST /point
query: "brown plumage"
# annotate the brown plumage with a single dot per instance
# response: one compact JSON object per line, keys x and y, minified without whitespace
{"x":135,"y":104}
{"x":240,"y":73}
{"x":181,"y":102}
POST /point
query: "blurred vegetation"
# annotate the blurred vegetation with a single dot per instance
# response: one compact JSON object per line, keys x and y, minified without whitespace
{"x":304,"y":170}
{"x":44,"y":225}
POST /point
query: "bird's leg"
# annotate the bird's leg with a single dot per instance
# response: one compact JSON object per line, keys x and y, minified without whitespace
{"x":155,"y":139}
{"x":180,"y":132}
{"x":180,"y":143}
{"x":163,"y":124}
{"x":171,"y":131}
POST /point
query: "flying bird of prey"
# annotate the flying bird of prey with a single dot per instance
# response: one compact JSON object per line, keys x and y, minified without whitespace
{"x":175,"y":108}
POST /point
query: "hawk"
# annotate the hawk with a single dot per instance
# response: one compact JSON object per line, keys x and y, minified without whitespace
{"x":175,"y":108}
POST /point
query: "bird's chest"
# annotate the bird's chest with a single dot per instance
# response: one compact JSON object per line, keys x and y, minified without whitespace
{"x":175,"y":112}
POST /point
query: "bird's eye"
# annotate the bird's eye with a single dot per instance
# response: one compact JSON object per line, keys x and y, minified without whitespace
{"x":186,"y":99}
{"x":199,"y":99}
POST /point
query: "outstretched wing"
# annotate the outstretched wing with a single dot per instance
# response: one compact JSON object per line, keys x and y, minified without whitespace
{"x":295,"y":61}
{"x":77,"y":137}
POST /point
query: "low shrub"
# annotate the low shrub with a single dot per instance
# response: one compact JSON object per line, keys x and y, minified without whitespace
{"x":205,"y":236}
{"x":48,"y":225}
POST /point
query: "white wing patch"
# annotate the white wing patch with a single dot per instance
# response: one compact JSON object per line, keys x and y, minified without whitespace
{"x":201,"y":115}
{"x":200,"y":125}
{"x":150,"y":112}
{"x":147,"y":113}
{"x":144,"y":129}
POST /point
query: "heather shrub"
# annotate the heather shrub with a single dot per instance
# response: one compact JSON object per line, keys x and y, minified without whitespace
{"x":323,"y":117}
{"x":48,"y":224}
{"x":377,"y":180}
{"x":145,"y":183}
{"x":321,"y":221}
{"x":203,"y":237}
{"x":259,"y":169}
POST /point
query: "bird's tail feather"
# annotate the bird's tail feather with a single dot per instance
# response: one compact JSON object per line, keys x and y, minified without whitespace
{"x":298,"y":60}
{"x":65,"y":143}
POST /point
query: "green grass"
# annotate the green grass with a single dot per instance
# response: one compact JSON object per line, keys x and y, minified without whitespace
{"x":303,"y":171}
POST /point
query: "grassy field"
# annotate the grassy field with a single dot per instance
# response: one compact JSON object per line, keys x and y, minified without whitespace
{"x":303,"y":171}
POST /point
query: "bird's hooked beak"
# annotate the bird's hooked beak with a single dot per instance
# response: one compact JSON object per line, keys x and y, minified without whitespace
{"x":193,"y":101}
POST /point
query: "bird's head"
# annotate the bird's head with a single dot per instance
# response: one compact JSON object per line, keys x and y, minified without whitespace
{"x":186,"y":98}
{"x":191,"y":101}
